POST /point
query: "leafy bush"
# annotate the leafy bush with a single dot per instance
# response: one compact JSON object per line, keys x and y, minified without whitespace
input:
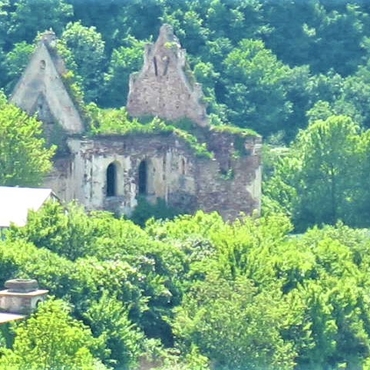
{"x":146,"y":210}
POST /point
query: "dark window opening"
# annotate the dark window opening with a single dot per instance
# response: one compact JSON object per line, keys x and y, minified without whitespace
{"x":226,"y":169}
{"x":155,"y":66}
{"x":111,"y":180}
{"x":183,"y":166}
{"x":42,"y":64}
{"x":143,"y":169}
{"x":167,"y":62}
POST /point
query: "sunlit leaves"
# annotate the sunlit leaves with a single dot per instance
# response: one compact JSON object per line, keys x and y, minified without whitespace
{"x":24,"y":159}
{"x":319,"y":180}
{"x":51,"y":339}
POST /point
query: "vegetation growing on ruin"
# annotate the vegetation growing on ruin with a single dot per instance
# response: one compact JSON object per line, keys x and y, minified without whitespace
{"x":24,"y":158}
{"x":117,"y":122}
{"x":195,"y":292}
{"x":242,"y":132}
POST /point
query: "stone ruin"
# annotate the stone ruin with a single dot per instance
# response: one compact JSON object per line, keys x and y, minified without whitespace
{"x":165,"y":86}
{"x":111,"y":172}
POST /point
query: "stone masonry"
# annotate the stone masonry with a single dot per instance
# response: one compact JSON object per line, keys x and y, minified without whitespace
{"x":165,"y":86}
{"x":21,"y":296}
{"x":112,"y":172}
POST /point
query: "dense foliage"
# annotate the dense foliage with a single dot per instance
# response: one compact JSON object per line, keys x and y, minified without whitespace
{"x":197,"y":293}
{"x":262,"y":63}
{"x":188,"y":293}
{"x":322,"y":177}
{"x":24,"y":159}
{"x":271,"y":66}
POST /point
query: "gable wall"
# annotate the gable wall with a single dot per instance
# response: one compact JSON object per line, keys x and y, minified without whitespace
{"x":41,"y":77}
{"x":162,"y":88}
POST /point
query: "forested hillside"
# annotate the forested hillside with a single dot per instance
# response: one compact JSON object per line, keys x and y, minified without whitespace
{"x":197,"y":293}
{"x":263,"y":64}
{"x":271,"y":66}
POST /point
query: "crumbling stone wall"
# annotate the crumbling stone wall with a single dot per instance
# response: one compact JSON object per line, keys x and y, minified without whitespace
{"x":61,"y":178}
{"x":41,"y":89}
{"x":112,"y":172}
{"x":170,"y":168}
{"x":165,"y":86}
{"x":231,"y":183}
{"x":174,"y":174}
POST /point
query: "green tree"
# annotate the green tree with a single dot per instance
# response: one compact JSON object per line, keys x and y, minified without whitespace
{"x":124,"y":61}
{"x":24,"y":159}
{"x":343,"y":28}
{"x":87,"y":51}
{"x":15,"y":62}
{"x":30,"y":17}
{"x":317,"y":182}
{"x":108,"y":319}
{"x":302,"y":31}
{"x":236,"y":21}
{"x":189,"y":27}
{"x":234,"y":325}
{"x":289,"y":38}
{"x":256,"y":96}
{"x":51,"y":339}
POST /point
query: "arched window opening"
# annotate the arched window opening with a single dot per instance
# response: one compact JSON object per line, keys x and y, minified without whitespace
{"x":143,"y":177}
{"x":166,"y":61}
{"x":155,"y":66}
{"x":183,"y":166}
{"x":111,"y":180}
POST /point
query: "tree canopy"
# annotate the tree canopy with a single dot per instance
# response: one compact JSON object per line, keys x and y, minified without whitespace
{"x":191,"y":293}
{"x":24,"y":158}
{"x":258,"y":60}
{"x":196,"y":292}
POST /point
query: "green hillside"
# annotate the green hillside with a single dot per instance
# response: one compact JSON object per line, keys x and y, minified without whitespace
{"x":195,"y":292}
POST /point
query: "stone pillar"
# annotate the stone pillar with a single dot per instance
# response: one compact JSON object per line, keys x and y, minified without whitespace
{"x":21,"y":296}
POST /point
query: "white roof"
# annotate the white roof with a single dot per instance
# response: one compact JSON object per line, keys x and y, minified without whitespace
{"x":16,"y":202}
{"x":8,"y":317}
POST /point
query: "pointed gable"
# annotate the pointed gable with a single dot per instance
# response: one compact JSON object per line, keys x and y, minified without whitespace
{"x":165,"y":86}
{"x":41,"y":89}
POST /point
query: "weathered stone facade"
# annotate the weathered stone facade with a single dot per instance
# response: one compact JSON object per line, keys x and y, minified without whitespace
{"x":41,"y":89}
{"x":165,"y":87}
{"x":112,"y":171}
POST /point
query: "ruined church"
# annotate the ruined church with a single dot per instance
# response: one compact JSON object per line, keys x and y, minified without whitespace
{"x":112,"y":172}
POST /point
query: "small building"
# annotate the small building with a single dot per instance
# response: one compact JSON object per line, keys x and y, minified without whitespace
{"x":15,"y":203}
{"x":20,"y":299}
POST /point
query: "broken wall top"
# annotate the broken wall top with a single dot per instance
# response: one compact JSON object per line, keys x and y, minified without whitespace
{"x":41,"y":89}
{"x":165,"y":87}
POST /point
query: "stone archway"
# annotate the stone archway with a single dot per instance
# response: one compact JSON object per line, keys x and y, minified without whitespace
{"x":111,"y":180}
{"x":143,"y":178}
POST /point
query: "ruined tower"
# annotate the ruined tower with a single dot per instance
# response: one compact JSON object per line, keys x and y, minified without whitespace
{"x":165,"y":86}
